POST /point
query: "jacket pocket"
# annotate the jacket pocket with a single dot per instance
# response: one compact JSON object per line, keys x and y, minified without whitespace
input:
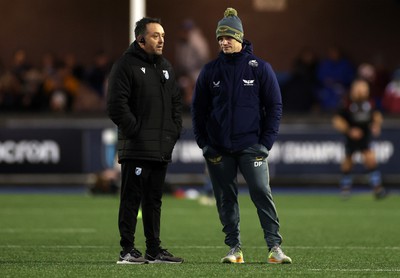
{"x":259,"y":149}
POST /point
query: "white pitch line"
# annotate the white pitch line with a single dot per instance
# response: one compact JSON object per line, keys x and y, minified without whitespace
{"x":299,"y":247}
{"x":346,"y":247}
{"x":11,"y":246}
{"x":325,"y":270}
{"x":47,"y":230}
{"x":356,"y":270}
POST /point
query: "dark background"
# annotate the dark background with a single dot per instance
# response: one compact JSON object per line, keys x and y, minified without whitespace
{"x":367,"y":30}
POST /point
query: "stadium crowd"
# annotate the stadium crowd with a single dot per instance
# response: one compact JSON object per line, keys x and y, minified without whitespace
{"x":313,"y":85}
{"x":322,"y":85}
{"x":59,"y":85}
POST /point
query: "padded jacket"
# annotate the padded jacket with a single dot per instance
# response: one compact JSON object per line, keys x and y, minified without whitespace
{"x":144,"y":101}
{"x":237,"y":102}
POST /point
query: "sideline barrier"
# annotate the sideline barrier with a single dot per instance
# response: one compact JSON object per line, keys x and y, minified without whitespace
{"x":303,"y":154}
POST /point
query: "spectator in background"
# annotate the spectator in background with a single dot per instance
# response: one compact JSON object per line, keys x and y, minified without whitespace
{"x":57,"y":86}
{"x":358,"y":121}
{"x":378,"y":77}
{"x":49,"y":61}
{"x":60,"y":89}
{"x":76,"y":69}
{"x":22,"y":88}
{"x":335,"y":73}
{"x":299,"y":92}
{"x":33,"y":99}
{"x":19,"y":97}
{"x":20,"y":65}
{"x":391,"y":98}
{"x":87,"y":98}
{"x":382,"y":78}
{"x":10,"y":93}
{"x":97,"y":74}
{"x":191,"y":53}
{"x":366,"y":71}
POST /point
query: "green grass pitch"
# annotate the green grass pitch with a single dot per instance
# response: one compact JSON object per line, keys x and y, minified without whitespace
{"x":50,"y":235}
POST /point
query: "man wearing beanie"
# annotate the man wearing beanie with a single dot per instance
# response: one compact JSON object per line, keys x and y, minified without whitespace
{"x":236,"y":112}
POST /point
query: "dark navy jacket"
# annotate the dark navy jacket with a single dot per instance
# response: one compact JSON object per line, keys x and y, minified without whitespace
{"x":237,"y":102}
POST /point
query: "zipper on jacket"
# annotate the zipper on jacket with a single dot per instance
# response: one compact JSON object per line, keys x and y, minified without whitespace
{"x":162,"y":113}
{"x":232,"y":106}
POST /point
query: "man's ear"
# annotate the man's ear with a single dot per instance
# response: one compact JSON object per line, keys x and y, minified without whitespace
{"x":141,"y":39}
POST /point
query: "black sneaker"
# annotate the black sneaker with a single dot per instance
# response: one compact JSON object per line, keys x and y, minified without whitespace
{"x":132,"y":257}
{"x":163,"y":257}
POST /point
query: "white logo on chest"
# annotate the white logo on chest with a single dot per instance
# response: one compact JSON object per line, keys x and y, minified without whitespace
{"x":166,"y":74}
{"x":248,"y":82}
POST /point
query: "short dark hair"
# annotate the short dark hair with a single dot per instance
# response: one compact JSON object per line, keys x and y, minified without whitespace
{"x":140,"y":29}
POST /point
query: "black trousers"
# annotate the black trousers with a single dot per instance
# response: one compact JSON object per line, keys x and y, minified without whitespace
{"x":142,"y":184}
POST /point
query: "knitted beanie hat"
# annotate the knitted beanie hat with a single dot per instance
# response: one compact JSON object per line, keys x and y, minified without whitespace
{"x":230,"y":25}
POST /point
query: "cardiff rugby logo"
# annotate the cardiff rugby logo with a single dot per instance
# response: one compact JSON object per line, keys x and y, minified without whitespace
{"x":138,"y":171}
{"x":166,"y":74}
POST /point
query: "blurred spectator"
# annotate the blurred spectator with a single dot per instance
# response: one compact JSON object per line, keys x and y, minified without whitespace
{"x":58,"y":86}
{"x":59,"y":101}
{"x":48,"y":64}
{"x":73,"y":66}
{"x":299,"y":92}
{"x":335,"y":73}
{"x":33,"y":98}
{"x":377,"y":77}
{"x":191,"y":53}
{"x":382,"y":78}
{"x":61,"y":88}
{"x":20,"y":64}
{"x":98,"y":73}
{"x":10,"y":93}
{"x":391,"y":98}
{"x":26,"y":88}
{"x":68,"y":94}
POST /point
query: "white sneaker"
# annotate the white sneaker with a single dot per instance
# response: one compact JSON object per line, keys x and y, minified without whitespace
{"x":234,"y":256}
{"x":276,"y":256}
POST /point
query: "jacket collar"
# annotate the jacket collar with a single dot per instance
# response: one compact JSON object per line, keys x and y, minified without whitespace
{"x":247,"y":48}
{"x":138,"y":52}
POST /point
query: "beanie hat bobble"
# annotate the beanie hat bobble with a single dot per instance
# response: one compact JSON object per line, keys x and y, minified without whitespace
{"x":230,"y":25}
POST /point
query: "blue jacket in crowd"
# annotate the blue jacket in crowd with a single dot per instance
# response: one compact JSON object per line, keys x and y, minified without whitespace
{"x":237,"y":102}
